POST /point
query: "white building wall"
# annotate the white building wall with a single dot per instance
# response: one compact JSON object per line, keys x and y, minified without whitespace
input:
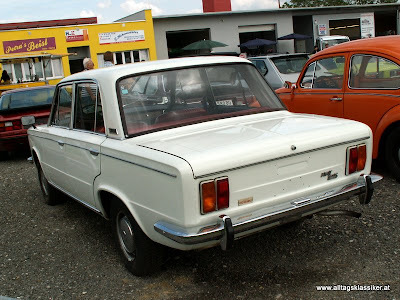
{"x":223,"y":28}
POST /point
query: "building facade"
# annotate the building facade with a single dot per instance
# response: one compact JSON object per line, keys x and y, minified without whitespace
{"x":47,"y":54}
{"x":172,"y":33}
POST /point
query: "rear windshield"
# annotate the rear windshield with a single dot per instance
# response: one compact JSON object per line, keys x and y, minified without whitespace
{"x":174,"y":98}
{"x":290,"y":64}
{"x":28,"y":98}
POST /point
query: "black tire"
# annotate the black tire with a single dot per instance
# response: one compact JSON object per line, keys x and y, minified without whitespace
{"x":50,"y":194}
{"x":141,"y":255}
{"x":392,"y":153}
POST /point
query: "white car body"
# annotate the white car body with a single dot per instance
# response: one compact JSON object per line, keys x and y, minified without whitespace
{"x":280,"y":166}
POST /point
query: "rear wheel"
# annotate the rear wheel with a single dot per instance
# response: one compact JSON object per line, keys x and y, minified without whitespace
{"x":141,"y":255}
{"x":392,"y":153}
{"x":50,"y":194}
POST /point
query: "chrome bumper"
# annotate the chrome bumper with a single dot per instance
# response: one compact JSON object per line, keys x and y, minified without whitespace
{"x":227,"y":229}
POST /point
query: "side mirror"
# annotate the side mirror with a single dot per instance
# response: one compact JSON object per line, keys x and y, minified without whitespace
{"x":28,"y":121}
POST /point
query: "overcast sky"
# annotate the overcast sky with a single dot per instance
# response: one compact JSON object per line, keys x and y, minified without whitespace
{"x":108,"y":11}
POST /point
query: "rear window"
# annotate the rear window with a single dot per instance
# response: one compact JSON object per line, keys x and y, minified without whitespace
{"x":290,"y":64}
{"x":27,"y":98}
{"x":174,"y":98}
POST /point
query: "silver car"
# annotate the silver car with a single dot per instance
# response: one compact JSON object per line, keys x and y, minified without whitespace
{"x":278,"y":68}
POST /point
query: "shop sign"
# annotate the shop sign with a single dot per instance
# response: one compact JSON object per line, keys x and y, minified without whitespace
{"x":322,"y":29}
{"x":77,"y":35}
{"x":31,"y":45}
{"x":367,"y":25}
{"x":121,"y":37}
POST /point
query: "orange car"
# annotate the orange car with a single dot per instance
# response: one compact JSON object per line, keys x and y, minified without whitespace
{"x":358,"y":80}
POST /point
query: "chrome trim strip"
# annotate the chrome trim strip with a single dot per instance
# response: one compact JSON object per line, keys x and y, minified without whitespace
{"x":140,"y":165}
{"x":282,"y":157}
{"x":291,"y":212}
{"x":124,"y":160}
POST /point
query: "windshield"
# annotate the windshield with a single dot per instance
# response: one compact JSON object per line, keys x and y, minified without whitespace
{"x":27,"y":98}
{"x":290,"y":64}
{"x":174,"y":98}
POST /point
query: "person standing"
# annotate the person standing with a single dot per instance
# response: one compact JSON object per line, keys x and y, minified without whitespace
{"x":88,"y":64}
{"x":5,"y":77}
{"x":108,"y":59}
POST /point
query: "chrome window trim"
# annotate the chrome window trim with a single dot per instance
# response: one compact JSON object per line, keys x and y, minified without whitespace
{"x":375,"y":88}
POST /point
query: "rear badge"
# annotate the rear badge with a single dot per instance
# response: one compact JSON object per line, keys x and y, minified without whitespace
{"x":329,"y":175}
{"x":245,"y":201}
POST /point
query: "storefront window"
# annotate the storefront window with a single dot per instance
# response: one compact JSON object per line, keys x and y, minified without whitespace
{"x":27,"y":71}
{"x":125,"y":57}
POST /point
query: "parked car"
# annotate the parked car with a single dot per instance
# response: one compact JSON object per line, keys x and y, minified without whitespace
{"x":278,"y":68}
{"x":358,"y":80}
{"x":330,"y":40}
{"x":14,"y":104}
{"x":179,"y":153}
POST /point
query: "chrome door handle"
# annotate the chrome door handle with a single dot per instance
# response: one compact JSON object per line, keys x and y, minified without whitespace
{"x":61,"y":143}
{"x":94,"y":152}
{"x":336,"y":99}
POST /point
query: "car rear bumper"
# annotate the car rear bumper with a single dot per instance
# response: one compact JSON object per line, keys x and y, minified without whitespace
{"x":226,"y":230}
{"x":14,"y":142}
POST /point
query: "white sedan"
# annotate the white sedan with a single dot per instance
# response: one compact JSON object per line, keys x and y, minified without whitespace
{"x":192,"y":153}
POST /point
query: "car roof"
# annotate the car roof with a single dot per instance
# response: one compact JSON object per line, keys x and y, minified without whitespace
{"x":333,"y":37}
{"x":115,"y":72}
{"x":278,"y":55}
{"x":27,"y":89}
{"x":386,"y":44}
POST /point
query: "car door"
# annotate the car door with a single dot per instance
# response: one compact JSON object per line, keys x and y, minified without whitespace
{"x":373,"y":88}
{"x":84,"y":141}
{"x":320,"y":89}
{"x":52,"y":137}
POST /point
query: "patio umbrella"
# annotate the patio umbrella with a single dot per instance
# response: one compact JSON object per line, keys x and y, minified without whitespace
{"x":204,"y":44}
{"x":294,"y":36}
{"x":257,"y":43}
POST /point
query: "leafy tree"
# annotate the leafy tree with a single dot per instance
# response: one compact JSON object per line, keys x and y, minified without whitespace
{"x":319,"y":3}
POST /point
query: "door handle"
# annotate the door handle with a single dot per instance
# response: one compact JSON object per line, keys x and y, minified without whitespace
{"x":61,"y":143}
{"x":94,"y":152}
{"x":336,"y":99}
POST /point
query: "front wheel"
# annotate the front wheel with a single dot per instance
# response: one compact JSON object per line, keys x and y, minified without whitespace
{"x":141,"y":255}
{"x":392,"y":153}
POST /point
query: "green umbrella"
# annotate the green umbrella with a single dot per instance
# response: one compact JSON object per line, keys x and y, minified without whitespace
{"x":204,"y":44}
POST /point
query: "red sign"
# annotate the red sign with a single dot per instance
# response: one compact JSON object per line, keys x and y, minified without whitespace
{"x":76,"y":35}
{"x":29,"y":45}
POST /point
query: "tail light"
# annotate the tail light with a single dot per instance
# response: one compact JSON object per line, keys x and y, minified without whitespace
{"x":10,"y":125}
{"x":356,"y":158}
{"x":214,"y":195}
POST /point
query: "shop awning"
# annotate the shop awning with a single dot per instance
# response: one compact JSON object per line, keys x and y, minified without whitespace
{"x":16,"y":58}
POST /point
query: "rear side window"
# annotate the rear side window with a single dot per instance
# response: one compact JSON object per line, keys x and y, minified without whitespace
{"x":62,"y":107}
{"x":290,"y":64}
{"x":260,"y":65}
{"x":373,"y":72}
{"x":28,"y":98}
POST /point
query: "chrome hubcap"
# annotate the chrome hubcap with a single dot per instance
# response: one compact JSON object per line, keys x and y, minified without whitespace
{"x":126,"y":236}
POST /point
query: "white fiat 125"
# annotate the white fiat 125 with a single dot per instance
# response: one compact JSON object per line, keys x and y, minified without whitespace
{"x":191,"y":153}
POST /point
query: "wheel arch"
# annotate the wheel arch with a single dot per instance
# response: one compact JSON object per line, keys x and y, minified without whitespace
{"x":387,"y":123}
{"x":383,"y":138}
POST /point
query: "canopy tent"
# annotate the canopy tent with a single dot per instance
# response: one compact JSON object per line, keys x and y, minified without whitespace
{"x":204,"y":44}
{"x":294,"y":36}
{"x":257,"y":43}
